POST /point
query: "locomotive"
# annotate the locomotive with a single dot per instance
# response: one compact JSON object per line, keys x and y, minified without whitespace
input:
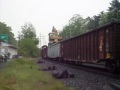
{"x":98,"y":46}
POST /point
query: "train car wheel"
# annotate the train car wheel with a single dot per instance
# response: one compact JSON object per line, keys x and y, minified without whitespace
{"x":111,"y":67}
{"x":118,"y":67}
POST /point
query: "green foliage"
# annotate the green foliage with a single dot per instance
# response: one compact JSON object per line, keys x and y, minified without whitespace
{"x":115,"y":6}
{"x":28,"y":48}
{"x":103,"y":18}
{"x":113,"y":13}
{"x":92,"y":22}
{"x":4,"y":29}
{"x":36,"y":41}
{"x":75,"y":27}
{"x":28,"y":31}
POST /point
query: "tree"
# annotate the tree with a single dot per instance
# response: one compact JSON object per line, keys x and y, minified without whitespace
{"x":112,"y":14}
{"x":103,"y":18}
{"x":28,"y":48}
{"x":115,"y":6}
{"x":115,"y":9}
{"x":75,"y":27}
{"x":28,"y":31}
{"x":4,"y":29}
{"x":76,"y":24}
{"x":92,"y":22}
{"x":66,"y":32}
{"x":28,"y":41}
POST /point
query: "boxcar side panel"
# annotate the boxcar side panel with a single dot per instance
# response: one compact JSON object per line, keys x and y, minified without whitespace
{"x":73,"y":50}
{"x":68,"y":45}
{"x":111,"y":42}
{"x":92,"y":51}
{"x":88,"y":49}
{"x":101,"y":43}
{"x":82,"y":48}
{"x":117,"y":42}
{"x":78,"y":47}
{"x":65,"y":49}
{"x":95,"y":46}
{"x":54,"y":50}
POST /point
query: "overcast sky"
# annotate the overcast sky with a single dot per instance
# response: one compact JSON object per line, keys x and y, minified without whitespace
{"x":44,"y":14}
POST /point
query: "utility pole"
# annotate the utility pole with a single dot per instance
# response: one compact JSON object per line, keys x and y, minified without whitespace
{"x":43,"y":40}
{"x":19,"y":38}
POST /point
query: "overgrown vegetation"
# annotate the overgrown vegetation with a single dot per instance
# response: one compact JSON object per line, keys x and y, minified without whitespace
{"x":23,"y":74}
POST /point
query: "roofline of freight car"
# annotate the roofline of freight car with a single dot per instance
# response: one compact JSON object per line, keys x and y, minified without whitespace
{"x":92,"y":30}
{"x":53,"y":44}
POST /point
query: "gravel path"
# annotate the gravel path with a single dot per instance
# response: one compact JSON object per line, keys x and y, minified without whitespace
{"x":83,"y":80}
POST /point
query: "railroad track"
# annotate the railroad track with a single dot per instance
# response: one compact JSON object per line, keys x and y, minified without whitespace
{"x":96,"y":70}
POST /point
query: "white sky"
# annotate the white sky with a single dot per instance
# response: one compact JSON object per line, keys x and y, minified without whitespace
{"x":44,"y":14}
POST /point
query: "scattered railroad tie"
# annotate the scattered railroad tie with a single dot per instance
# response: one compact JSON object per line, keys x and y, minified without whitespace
{"x":54,"y":68}
{"x":55,"y":74}
{"x":49,"y":68}
{"x":64,"y":74}
{"x":40,"y":62}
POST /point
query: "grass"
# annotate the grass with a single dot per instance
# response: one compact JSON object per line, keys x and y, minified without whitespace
{"x":23,"y":74}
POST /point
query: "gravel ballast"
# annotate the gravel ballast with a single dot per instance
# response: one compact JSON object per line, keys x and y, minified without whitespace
{"x":83,"y":80}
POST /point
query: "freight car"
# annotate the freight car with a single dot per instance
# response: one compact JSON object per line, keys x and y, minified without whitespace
{"x":54,"y":51}
{"x":100,"y":45}
{"x":44,"y":52}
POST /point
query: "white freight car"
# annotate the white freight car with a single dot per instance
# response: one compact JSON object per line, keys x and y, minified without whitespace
{"x":54,"y":51}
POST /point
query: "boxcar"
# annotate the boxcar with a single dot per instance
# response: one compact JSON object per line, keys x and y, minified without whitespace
{"x":44,"y":52}
{"x":54,"y":51}
{"x":100,"y":45}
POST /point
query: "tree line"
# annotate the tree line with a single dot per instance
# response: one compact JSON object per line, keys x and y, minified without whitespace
{"x":78,"y":25}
